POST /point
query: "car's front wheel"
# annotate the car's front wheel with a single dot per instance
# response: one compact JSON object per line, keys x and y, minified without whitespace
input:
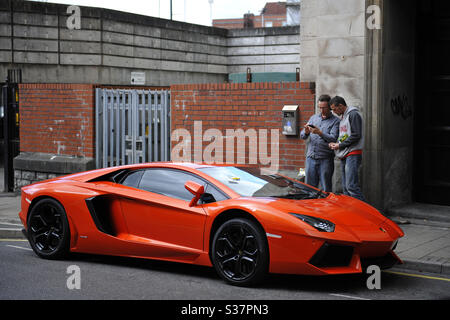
{"x":240,"y":252}
{"x":48,"y":229}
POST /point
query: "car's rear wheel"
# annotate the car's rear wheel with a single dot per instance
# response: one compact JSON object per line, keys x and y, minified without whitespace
{"x":48,"y":229}
{"x":240,"y":252}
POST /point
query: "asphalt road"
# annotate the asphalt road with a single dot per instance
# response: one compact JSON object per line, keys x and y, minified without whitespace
{"x":25,"y":276}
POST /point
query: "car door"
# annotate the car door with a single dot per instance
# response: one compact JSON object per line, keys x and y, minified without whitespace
{"x":157,"y":208}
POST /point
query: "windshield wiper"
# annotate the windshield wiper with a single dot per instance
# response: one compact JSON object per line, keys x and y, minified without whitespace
{"x":318,"y":194}
{"x":321,"y":194}
{"x":301,"y":196}
{"x":296,"y":196}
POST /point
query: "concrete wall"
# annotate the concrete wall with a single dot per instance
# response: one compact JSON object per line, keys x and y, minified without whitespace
{"x":112,"y":44}
{"x":397,"y":101}
{"x":373,"y":69}
{"x":332,"y":53}
{"x":109,"y":46}
{"x":332,"y":47}
{"x":263,"y":49}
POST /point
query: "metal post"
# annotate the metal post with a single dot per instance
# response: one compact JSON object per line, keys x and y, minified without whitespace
{"x":6,"y":138}
{"x":98,"y":131}
{"x":105,"y":130}
{"x":151,"y":153}
{"x":249,"y":75}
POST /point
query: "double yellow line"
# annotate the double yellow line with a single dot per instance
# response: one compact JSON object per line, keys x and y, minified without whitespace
{"x":416,"y":275}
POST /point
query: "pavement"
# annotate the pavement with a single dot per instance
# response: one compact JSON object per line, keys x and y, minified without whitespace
{"x":424,"y":248}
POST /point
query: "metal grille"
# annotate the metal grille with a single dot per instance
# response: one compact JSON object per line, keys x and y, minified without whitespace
{"x":132,"y":126}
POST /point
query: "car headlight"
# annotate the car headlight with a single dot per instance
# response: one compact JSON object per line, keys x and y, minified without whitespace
{"x":320,"y":224}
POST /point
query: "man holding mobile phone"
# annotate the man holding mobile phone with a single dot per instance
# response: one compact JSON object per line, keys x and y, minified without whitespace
{"x":321,"y":129}
{"x":349,"y":146}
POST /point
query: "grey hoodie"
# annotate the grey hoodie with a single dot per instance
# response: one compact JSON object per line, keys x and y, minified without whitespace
{"x":351,"y":136}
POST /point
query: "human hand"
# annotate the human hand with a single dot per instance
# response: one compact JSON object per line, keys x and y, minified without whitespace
{"x":307,"y":129}
{"x":333,"y":145}
{"x":316,"y":130}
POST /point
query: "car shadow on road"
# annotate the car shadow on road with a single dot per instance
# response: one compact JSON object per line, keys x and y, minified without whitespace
{"x":335,"y":283}
{"x":146,"y":264}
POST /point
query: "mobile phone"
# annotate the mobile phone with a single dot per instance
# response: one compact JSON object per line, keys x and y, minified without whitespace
{"x":312,"y":126}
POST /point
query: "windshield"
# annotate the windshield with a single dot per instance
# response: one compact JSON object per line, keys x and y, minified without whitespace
{"x":251,"y":182}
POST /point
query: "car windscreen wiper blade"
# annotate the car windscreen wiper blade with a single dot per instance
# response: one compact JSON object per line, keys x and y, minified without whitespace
{"x":296,"y":196}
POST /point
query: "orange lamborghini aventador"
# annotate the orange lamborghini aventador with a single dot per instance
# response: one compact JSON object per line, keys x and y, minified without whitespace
{"x":239,"y":220}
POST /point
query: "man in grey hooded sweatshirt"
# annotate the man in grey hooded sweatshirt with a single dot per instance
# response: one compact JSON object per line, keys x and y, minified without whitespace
{"x":349,"y":146}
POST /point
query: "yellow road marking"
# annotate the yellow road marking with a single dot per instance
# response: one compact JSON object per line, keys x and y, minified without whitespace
{"x":13,"y":240}
{"x":417,"y":275}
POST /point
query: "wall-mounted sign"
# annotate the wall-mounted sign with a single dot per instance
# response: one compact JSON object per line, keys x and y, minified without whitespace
{"x":138,"y":78}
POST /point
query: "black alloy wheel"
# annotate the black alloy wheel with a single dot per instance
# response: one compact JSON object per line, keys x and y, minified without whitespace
{"x":48,"y":230}
{"x":240,"y":252}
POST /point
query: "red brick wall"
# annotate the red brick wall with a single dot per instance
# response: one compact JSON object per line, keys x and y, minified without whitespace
{"x":246,"y":105}
{"x":228,"y":23}
{"x":238,"y":23}
{"x":57,"y":119}
{"x":60,"y":118}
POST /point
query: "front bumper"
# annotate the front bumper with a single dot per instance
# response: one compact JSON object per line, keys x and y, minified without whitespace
{"x":332,"y":256}
{"x":303,"y":254}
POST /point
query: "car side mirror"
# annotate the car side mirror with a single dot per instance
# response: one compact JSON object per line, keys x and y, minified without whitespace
{"x":196,"y":189}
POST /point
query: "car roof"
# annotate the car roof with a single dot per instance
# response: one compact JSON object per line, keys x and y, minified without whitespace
{"x":92,"y":174}
{"x":188,"y":166}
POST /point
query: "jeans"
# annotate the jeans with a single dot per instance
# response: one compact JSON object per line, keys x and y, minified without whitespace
{"x":320,"y":170}
{"x":350,"y":179}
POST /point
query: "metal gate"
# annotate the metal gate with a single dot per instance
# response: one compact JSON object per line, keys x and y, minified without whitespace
{"x":132,"y":126}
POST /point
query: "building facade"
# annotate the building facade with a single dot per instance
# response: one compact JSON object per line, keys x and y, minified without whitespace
{"x":62,"y":67}
{"x":274,"y":14}
{"x":387,"y":58}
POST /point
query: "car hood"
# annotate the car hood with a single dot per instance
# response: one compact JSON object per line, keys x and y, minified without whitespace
{"x":339,"y":209}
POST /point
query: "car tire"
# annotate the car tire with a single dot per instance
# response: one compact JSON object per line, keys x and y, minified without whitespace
{"x":240,"y":253}
{"x":48,"y":229}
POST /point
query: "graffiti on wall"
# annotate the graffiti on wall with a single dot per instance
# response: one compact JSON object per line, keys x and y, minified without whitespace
{"x":401,"y":106}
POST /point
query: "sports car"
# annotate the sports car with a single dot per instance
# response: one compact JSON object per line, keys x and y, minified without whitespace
{"x":240,"y":220}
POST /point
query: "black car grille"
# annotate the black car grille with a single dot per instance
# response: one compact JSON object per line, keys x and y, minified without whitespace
{"x":332,"y":255}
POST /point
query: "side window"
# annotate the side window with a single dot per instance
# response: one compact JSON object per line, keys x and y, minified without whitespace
{"x":212,"y":195}
{"x":133,"y":178}
{"x":168,"y":182}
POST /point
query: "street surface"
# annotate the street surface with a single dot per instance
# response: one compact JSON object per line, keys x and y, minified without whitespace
{"x":25,"y":276}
